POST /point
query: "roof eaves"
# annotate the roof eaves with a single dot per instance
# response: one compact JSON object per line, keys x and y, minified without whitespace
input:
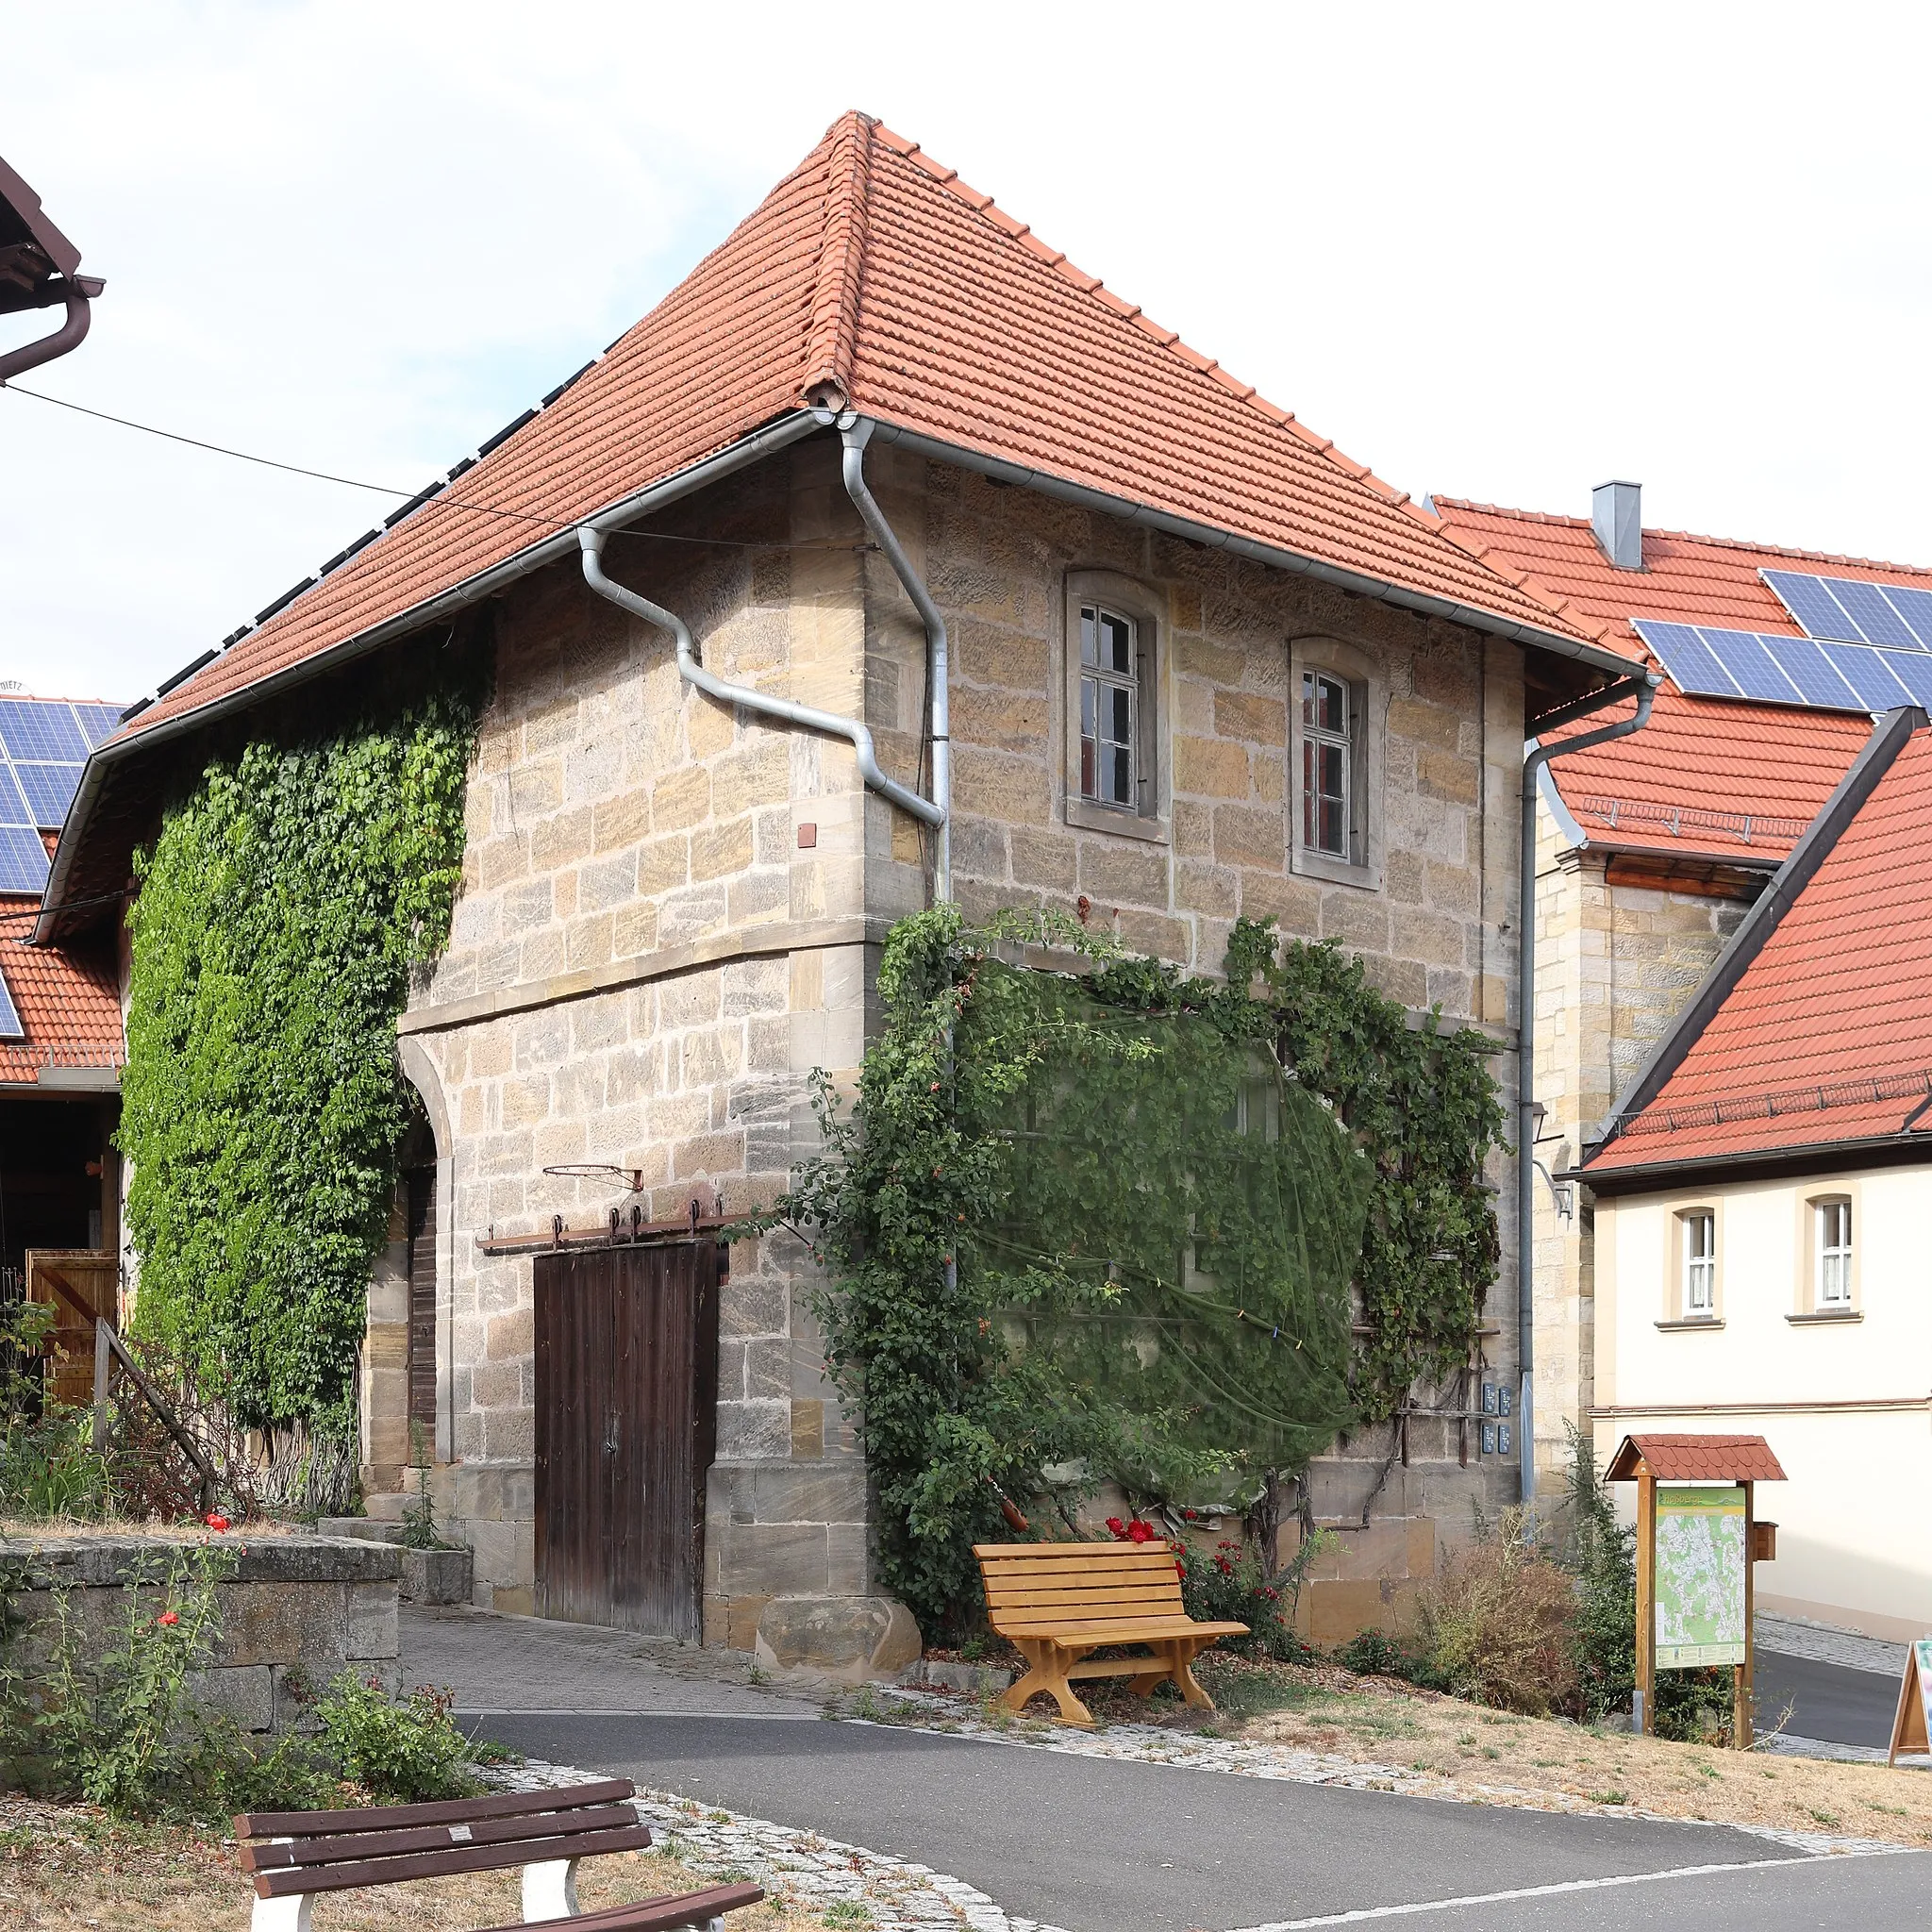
{"x":1889,"y":735}
{"x":1823,"y":1155}
{"x":1580,"y":650}
{"x":788,"y":428}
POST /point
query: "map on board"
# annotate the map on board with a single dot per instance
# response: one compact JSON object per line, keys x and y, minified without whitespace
{"x":1700,"y":1577}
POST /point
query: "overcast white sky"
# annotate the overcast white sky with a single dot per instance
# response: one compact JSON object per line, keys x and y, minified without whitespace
{"x":1502,"y":252}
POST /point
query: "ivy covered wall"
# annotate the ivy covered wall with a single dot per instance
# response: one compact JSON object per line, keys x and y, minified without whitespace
{"x":280,"y":908}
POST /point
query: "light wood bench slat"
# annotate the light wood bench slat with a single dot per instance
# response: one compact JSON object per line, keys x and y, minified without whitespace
{"x":1057,"y":1601}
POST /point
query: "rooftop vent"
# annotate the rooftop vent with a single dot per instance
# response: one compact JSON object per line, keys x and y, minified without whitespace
{"x":1616,"y":514}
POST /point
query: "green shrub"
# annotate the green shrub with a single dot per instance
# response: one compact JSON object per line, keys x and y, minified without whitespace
{"x":1376,"y":1653}
{"x":401,"y":1751}
{"x":1229,"y":1587}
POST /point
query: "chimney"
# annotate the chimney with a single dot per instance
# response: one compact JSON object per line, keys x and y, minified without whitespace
{"x":1616,"y":514}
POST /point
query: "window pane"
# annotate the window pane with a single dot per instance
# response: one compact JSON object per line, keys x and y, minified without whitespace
{"x":1333,"y":706}
{"x":1307,"y":792}
{"x":1331,"y":771}
{"x":1120,"y":721}
{"x":1333,"y":834}
{"x":1122,"y":791}
{"x":1087,"y":765}
{"x":1089,"y":707}
{"x":1308,"y":697}
{"x":1117,"y":650}
{"x":1089,"y":654}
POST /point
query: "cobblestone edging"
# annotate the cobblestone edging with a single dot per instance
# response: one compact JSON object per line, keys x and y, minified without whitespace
{"x":1151,"y":1744}
{"x":800,"y":1866}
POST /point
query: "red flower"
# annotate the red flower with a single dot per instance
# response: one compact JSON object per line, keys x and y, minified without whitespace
{"x":168,"y":1617}
{"x":1114,"y":1523}
{"x":216,"y":1522}
{"x":1139,"y":1532}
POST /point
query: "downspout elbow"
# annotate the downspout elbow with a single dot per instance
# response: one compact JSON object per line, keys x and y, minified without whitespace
{"x":760,"y":703}
{"x":69,"y":336}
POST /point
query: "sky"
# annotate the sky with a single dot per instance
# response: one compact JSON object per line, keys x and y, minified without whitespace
{"x":1494,"y":251}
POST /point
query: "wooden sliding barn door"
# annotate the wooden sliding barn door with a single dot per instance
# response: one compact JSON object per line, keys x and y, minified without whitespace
{"x":626,"y":1420}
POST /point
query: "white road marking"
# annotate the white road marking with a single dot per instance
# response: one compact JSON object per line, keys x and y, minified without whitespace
{"x":1497,"y":1898}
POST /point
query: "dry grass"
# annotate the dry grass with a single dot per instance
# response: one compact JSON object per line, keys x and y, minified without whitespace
{"x":1490,"y":1754}
{"x":63,"y":1869}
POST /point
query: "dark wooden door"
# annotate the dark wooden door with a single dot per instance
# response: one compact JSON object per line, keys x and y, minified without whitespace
{"x":626,"y":1420}
{"x":422,"y":1353}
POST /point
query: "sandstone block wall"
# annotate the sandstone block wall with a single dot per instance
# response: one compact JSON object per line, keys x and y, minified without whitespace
{"x":296,"y":1612}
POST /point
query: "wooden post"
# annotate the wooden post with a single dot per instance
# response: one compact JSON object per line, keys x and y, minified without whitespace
{"x":1643,"y":1710}
{"x":103,"y":1360}
{"x":1742,"y":1734}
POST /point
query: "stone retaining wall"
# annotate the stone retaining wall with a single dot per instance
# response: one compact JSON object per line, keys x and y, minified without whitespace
{"x":295,"y":1614}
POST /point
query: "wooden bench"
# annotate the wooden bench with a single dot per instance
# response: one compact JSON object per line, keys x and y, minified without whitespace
{"x":1057,"y":1603}
{"x":294,"y":1855}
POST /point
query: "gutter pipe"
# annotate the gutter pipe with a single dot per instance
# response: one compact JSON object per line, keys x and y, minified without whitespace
{"x":590,"y":539}
{"x":70,"y":335}
{"x":1535,"y":756}
{"x":855,"y":432}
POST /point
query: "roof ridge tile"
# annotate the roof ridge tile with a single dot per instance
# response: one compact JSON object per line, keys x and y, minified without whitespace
{"x":832,"y":326}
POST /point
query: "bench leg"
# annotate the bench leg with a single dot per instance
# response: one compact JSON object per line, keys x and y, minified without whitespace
{"x":1180,"y":1657}
{"x":550,"y":1891}
{"x":282,"y":1914}
{"x":1048,"y":1673}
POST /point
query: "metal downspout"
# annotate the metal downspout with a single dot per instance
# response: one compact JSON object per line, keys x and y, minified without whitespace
{"x":1535,"y":756}
{"x":70,"y":335}
{"x":855,"y":432}
{"x":692,"y":672}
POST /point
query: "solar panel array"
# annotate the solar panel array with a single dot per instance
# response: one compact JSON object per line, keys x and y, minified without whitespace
{"x":1850,"y":611}
{"x":44,"y":744}
{"x":1814,"y":672}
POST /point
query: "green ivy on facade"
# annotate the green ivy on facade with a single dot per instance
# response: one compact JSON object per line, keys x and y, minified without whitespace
{"x":280,"y":910}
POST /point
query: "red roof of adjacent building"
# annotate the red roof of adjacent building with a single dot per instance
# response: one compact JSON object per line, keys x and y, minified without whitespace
{"x":1826,"y":1036}
{"x":1706,"y":776}
{"x":873,"y":275}
{"x":69,"y":1006}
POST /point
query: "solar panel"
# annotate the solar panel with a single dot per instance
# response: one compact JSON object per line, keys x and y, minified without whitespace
{"x":23,"y":860}
{"x":36,"y":728}
{"x":14,"y":809}
{"x":1817,"y":610}
{"x":99,"y":722}
{"x":1818,"y":681}
{"x":11,"y":1027}
{"x":1753,"y":668}
{"x":1686,"y":657}
{"x":1870,"y":675}
{"x":50,"y":790}
{"x":1866,"y":606}
{"x":1915,"y":607}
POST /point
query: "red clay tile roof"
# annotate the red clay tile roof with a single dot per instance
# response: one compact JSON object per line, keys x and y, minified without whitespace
{"x":1696,"y":1459}
{"x":1828,"y":1036}
{"x":873,"y":271}
{"x":1703,"y":767}
{"x":68,"y":1003}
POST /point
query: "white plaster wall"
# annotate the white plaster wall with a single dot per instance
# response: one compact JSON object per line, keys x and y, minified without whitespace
{"x":1851,"y":1547}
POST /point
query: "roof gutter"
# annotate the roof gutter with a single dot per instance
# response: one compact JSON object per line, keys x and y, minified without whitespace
{"x":1536,"y":760}
{"x":564,"y":543}
{"x":1577,"y":649}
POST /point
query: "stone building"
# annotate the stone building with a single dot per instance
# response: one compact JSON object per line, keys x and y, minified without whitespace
{"x":1650,"y":852}
{"x":1296,"y":698}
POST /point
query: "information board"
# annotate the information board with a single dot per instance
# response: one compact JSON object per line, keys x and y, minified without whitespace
{"x":1700,"y":1577}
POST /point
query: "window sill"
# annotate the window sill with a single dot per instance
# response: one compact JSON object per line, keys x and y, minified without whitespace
{"x":1090,"y":817}
{"x":1814,"y":1315}
{"x":1694,"y":1322}
{"x":1337,"y":872}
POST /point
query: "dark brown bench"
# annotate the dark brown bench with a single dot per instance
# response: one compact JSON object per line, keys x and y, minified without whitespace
{"x":294,"y":1855}
{"x":1056,"y":1603}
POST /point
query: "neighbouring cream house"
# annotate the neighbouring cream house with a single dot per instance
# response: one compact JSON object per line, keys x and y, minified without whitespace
{"x":1762,"y":1196}
{"x":1650,"y":850}
{"x":919,"y":564}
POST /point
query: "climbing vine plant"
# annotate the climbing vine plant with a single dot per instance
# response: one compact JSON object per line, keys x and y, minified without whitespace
{"x":1121,"y":1222}
{"x":280,"y":910}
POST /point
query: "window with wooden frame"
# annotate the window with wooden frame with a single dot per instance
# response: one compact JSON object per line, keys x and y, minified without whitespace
{"x":1828,"y":1255}
{"x":1115,"y":757}
{"x":1337,"y":700}
{"x":1695,"y":1283}
{"x":1831,"y":1221}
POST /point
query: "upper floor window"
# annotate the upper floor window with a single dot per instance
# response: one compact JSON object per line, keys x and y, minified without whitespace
{"x":1700,"y":1262}
{"x":1110,"y":708}
{"x":1327,"y":750}
{"x":1833,"y":1255}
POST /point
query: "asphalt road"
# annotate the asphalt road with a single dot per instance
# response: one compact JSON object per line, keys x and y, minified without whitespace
{"x":1828,"y":1701}
{"x":1100,"y":1845}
